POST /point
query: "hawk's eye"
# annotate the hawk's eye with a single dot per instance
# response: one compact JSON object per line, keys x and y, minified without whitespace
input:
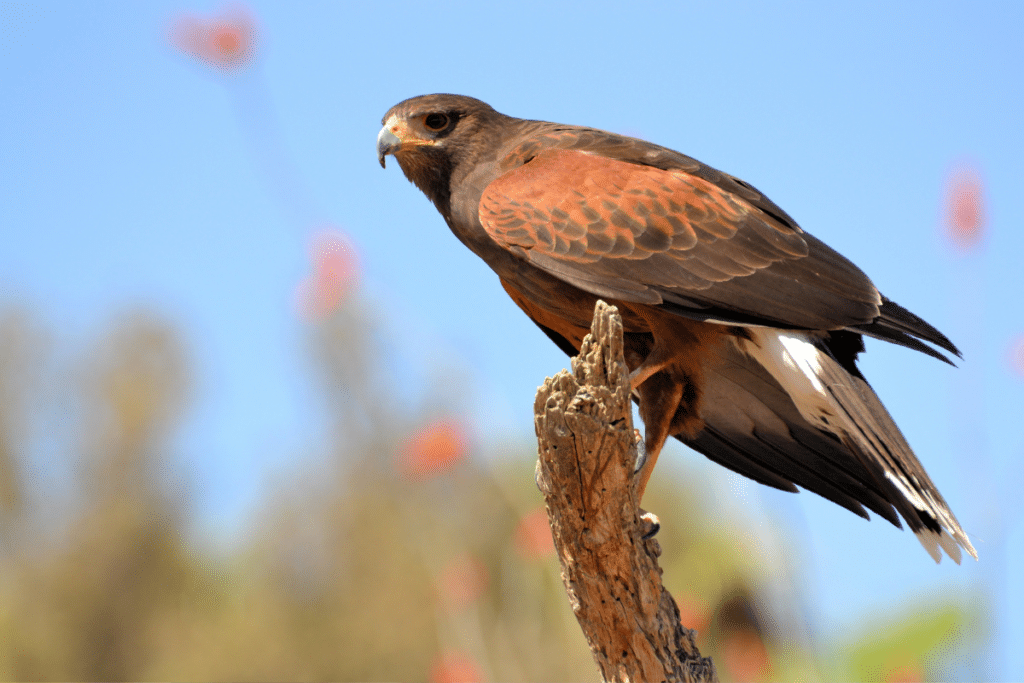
{"x":436,"y":121}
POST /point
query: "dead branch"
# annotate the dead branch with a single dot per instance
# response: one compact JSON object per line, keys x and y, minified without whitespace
{"x":585,"y":470}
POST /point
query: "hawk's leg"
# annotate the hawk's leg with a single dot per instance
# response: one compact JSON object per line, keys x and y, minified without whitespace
{"x":642,"y":373}
{"x":668,"y":406}
{"x":650,"y":522}
{"x":659,"y":399}
{"x":666,"y":376}
{"x":648,"y":358}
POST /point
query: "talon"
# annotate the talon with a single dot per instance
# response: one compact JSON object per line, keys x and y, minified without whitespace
{"x":641,"y":453}
{"x":649,"y":524}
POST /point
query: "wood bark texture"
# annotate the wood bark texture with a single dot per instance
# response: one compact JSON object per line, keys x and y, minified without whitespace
{"x":588,"y":448}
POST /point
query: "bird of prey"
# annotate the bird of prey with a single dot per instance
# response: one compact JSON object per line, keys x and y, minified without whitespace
{"x":741,"y":330}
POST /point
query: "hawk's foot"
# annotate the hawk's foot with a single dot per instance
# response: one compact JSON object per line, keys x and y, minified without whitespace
{"x":649,"y":524}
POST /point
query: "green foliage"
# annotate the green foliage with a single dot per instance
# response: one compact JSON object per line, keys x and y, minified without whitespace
{"x":917,"y":642}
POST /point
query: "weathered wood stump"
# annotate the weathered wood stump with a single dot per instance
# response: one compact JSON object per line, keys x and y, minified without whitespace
{"x":587,"y":450}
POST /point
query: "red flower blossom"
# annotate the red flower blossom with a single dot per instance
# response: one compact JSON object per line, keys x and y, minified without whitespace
{"x":965,"y":209}
{"x":335,"y":273}
{"x":463,"y":581}
{"x":435,"y":448}
{"x":455,"y":667}
{"x":227,"y":42}
{"x":745,"y":656}
{"x":693,"y":613}
{"x":909,"y":672}
{"x":533,"y":535}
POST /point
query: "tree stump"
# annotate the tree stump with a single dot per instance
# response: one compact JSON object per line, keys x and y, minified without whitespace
{"x":588,"y":448}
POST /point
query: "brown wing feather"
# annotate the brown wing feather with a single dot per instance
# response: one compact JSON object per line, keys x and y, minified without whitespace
{"x":651,"y":235}
{"x":583,"y":207}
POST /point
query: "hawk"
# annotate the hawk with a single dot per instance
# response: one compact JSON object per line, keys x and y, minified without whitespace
{"x":741,"y":330}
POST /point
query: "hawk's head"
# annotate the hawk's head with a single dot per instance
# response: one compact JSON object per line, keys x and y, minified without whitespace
{"x":431,"y":136}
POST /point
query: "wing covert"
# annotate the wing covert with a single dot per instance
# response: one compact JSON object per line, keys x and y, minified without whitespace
{"x":652,"y":235}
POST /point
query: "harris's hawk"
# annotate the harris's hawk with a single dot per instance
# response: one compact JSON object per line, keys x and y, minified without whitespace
{"x":741,"y":330}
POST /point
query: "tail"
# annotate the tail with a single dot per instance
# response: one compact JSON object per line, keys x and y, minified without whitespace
{"x":782,"y":410}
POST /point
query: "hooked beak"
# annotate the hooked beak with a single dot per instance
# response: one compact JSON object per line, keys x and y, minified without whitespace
{"x":387,"y":143}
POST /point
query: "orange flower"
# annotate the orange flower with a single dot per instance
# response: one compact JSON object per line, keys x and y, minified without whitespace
{"x":909,"y":672}
{"x":335,"y":273}
{"x":693,"y":612}
{"x":435,"y":448}
{"x":533,"y":535}
{"x":745,"y":656}
{"x":455,"y":667}
{"x":463,"y":581}
{"x":965,"y":210}
{"x":226,"y":42}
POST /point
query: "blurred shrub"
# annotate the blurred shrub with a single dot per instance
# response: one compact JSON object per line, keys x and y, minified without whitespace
{"x":399,"y":556}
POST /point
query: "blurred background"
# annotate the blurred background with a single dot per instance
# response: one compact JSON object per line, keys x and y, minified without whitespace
{"x":262,"y":417}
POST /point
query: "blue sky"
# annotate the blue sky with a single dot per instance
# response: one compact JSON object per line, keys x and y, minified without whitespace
{"x":132,"y":175}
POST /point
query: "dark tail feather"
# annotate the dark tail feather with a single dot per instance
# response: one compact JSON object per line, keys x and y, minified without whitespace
{"x":839,"y":442}
{"x":898,"y":325}
{"x":753,"y":427}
